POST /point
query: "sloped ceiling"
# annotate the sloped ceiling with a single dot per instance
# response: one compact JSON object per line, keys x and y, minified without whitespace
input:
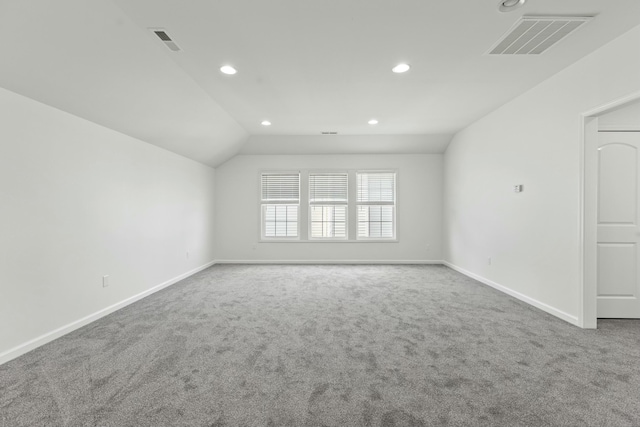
{"x":89,"y":59}
{"x":308,"y":66}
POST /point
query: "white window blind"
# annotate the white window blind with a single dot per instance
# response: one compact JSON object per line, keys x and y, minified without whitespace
{"x":281,"y":187}
{"x":328,"y":198}
{"x":376,"y":187}
{"x":376,"y":203}
{"x":328,"y":188}
{"x":280,"y":199}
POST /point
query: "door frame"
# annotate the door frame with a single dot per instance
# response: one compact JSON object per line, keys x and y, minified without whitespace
{"x":587,"y":313}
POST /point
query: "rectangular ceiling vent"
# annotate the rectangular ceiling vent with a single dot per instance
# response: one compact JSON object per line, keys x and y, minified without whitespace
{"x":162,"y":35}
{"x":533,"y":35}
{"x":329,"y":133}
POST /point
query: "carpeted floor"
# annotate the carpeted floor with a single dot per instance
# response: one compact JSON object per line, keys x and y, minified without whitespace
{"x":328,"y":346}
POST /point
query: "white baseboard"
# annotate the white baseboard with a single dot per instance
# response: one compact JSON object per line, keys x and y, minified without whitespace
{"x":57,"y":333}
{"x":327,"y":261}
{"x":542,"y":306}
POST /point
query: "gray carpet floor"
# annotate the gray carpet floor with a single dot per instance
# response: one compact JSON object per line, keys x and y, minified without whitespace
{"x":239,"y":345}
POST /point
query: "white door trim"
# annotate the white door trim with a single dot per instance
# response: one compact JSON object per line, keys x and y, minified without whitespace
{"x":587,"y":314}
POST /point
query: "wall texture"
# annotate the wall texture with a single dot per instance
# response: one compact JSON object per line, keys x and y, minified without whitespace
{"x":532,"y":237}
{"x":79,"y":201}
{"x":419,"y":217}
{"x":624,"y":118}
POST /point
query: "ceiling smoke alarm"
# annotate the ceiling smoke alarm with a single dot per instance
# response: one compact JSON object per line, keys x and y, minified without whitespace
{"x":510,"y":5}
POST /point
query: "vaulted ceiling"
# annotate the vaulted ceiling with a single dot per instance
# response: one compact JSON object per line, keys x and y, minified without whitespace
{"x":308,"y":66}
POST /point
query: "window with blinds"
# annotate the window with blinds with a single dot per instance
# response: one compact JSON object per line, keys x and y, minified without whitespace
{"x":376,"y":205}
{"x":328,"y":198}
{"x":280,"y":202}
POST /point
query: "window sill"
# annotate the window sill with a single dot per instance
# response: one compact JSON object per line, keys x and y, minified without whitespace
{"x":329,"y":241}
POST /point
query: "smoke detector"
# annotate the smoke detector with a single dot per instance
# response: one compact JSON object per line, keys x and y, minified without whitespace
{"x":510,"y":5}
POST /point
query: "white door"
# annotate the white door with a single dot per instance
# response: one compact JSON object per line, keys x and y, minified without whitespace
{"x":618,"y":255}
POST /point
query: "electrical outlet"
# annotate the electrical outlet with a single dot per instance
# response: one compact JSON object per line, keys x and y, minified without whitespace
{"x":187,"y":254}
{"x":489,"y":261}
{"x":105,"y":281}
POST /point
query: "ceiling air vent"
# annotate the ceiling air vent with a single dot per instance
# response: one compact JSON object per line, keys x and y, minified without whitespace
{"x":162,"y":35}
{"x":533,"y":35}
{"x":329,"y":133}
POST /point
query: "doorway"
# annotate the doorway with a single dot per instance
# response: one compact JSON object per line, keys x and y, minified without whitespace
{"x":611,"y":212}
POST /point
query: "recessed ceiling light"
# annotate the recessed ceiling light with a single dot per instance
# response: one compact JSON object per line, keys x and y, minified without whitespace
{"x":228,"y":69}
{"x":266,"y":123}
{"x":373,"y":122}
{"x":509,"y":5}
{"x":401,"y":68}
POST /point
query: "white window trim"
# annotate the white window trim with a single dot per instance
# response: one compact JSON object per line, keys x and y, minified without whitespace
{"x":346,"y":204}
{"x":380,"y":239}
{"x":303,"y":208}
{"x":394,"y":204}
{"x":261,"y":205}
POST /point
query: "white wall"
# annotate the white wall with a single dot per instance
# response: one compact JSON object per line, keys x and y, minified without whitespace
{"x":419,"y":209}
{"x":79,"y":201}
{"x":532,"y":237}
{"x":346,"y":144}
{"x":624,"y":118}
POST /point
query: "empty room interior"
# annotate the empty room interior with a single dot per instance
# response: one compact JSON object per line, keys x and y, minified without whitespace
{"x":319,"y":213}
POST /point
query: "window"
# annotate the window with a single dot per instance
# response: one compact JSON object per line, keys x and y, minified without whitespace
{"x":376,"y":205}
{"x":335,"y":205}
{"x":328,"y":205}
{"x":280,"y":200}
